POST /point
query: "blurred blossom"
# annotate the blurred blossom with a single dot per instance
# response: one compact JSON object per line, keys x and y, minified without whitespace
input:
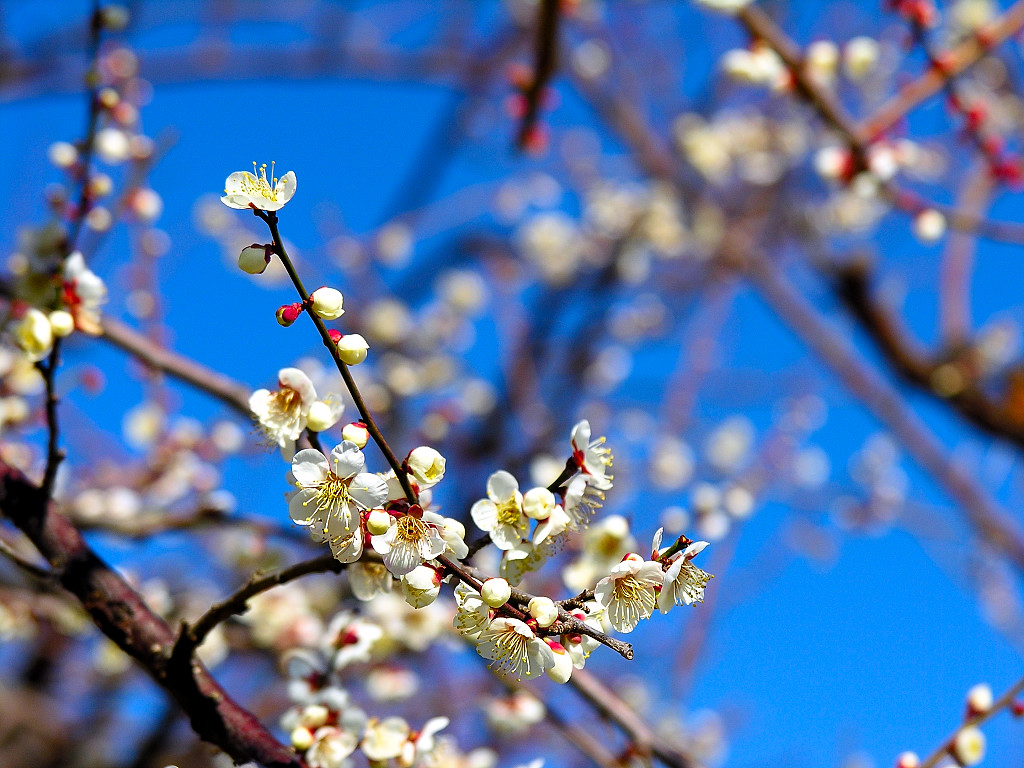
{"x":672,"y":464}
{"x":591,"y":59}
{"x":728,"y":446}
{"x":551,"y":241}
{"x":395,"y":244}
{"x":514,"y":714}
{"x":675,"y":520}
{"x":143,"y":424}
{"x":811,"y":467}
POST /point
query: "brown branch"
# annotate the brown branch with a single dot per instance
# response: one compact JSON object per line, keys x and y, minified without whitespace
{"x":611,"y":706}
{"x":123,"y":616}
{"x":192,"y":635}
{"x":1003,"y":702}
{"x":761,"y":27}
{"x":954,"y":62}
{"x":836,"y":351}
{"x":184,"y":369}
{"x":951,"y":377}
{"x":544,"y":65}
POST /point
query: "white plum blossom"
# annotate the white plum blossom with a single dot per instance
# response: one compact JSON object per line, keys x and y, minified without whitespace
{"x":472,"y":614}
{"x":514,"y":649}
{"x":407,"y":543}
{"x":284,"y":413}
{"x":421,"y":586}
{"x":349,"y":639}
{"x":501,"y":513}
{"x":33,"y":334}
{"x":628,"y":594}
{"x":331,"y":747}
{"x":580,"y":646}
{"x":591,"y":456}
{"x":332,"y":493}
{"x":393,"y":739}
{"x":426,"y":465}
{"x":561,"y":670}
{"x":684,"y":582}
{"x":580,"y":502}
{"x":254,"y":190}
{"x":368,"y":579}
{"x":84,"y":294}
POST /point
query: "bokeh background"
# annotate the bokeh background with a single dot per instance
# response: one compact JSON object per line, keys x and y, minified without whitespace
{"x":600,"y":272}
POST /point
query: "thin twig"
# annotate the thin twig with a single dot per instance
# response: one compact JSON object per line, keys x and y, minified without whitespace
{"x":192,"y":635}
{"x":1003,"y":702}
{"x":544,"y":65}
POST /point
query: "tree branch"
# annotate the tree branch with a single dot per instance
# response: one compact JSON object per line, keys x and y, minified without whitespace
{"x":122,"y":615}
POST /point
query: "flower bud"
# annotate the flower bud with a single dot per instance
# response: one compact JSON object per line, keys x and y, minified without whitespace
{"x":979,"y":699}
{"x":352,"y":348}
{"x":288,"y":314}
{"x":968,"y":747}
{"x":322,"y":416}
{"x":357,"y":433}
{"x":302,"y":739}
{"x":929,"y":226}
{"x":254,"y":259}
{"x":378,"y":522}
{"x":326,"y":303}
{"x":495,"y":592}
{"x":860,"y":57}
{"x":421,"y":586}
{"x":426,"y":465}
{"x":34,"y":335}
{"x":62,"y":154}
{"x":543,"y":609}
{"x":562,"y":670}
{"x":908,"y":760}
{"x":61,"y":323}
{"x":538,"y":503}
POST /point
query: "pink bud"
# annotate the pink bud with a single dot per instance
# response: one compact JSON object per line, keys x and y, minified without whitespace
{"x":288,"y":314}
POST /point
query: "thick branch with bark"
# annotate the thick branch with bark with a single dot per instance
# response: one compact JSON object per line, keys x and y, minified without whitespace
{"x":123,"y":616}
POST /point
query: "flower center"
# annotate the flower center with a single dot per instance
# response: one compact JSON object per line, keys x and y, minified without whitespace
{"x":262,"y":187}
{"x":511,"y":652}
{"x":332,"y":495}
{"x":631,"y":589}
{"x":508,"y":512}
{"x":412,"y":530}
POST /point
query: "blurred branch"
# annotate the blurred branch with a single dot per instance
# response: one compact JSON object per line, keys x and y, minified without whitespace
{"x":122,"y":615}
{"x":761,"y":27}
{"x":950,"y":377}
{"x":954,"y":62}
{"x":192,"y":635}
{"x":990,"y":522}
{"x":180,"y":367}
{"x":611,"y":706}
{"x":544,"y":64}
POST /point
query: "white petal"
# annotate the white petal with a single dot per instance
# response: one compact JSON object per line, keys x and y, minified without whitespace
{"x":347,"y":460}
{"x":484,"y":514}
{"x":309,"y":467}
{"x":238,"y":182}
{"x":502,"y":486}
{"x":369,"y":490}
{"x":295,"y":379}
